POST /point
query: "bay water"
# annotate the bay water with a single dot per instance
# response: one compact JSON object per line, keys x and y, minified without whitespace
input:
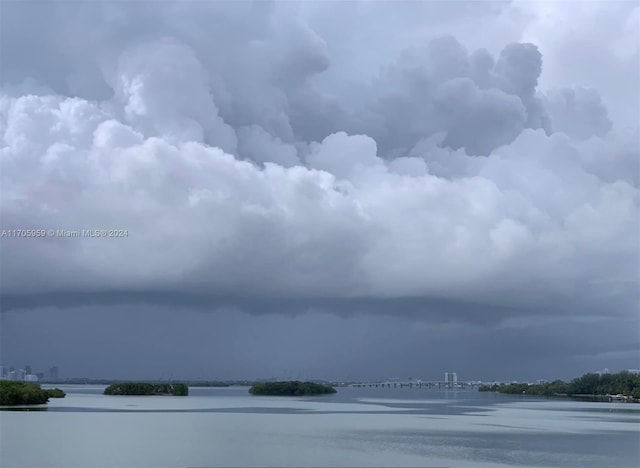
{"x":385,"y":427}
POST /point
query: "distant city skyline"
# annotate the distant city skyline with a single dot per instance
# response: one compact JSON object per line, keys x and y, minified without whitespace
{"x":26,"y":374}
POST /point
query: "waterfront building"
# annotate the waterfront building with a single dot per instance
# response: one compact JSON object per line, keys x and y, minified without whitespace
{"x":451,"y":379}
{"x":54,"y":373}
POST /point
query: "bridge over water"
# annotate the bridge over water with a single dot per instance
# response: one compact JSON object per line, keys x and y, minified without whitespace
{"x":412,"y":384}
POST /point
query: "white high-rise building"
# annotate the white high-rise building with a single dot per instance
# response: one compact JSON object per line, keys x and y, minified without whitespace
{"x":451,"y":379}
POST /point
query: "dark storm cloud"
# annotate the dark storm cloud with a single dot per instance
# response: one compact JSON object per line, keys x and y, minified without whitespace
{"x":432,"y":309}
{"x":169,"y":342}
{"x":277,"y":157}
{"x":480,"y":101}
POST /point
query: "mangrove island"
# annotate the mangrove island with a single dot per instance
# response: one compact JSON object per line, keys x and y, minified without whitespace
{"x":23,"y":393}
{"x":147,"y":388}
{"x":623,"y":386}
{"x":291,"y":388}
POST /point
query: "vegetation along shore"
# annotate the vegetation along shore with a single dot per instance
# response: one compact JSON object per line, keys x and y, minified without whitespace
{"x":23,"y":393}
{"x":291,"y":388}
{"x":147,"y":388}
{"x":623,"y":386}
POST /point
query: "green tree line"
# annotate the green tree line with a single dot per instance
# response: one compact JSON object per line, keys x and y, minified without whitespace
{"x":290,"y":388}
{"x":625,"y":383}
{"x":208,"y":383}
{"x":147,"y":388}
{"x":25,"y":393}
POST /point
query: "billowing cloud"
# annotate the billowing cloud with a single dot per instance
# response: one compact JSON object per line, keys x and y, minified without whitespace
{"x":579,"y":112}
{"x":162,"y":90}
{"x":249,"y":164}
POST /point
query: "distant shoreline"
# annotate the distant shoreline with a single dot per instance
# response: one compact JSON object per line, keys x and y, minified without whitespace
{"x":621,"y":387}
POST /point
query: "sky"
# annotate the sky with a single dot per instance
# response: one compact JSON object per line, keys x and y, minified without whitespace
{"x":338,"y":190}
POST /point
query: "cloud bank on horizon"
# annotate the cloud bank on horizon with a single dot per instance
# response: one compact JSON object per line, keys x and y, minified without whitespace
{"x":295,"y":151}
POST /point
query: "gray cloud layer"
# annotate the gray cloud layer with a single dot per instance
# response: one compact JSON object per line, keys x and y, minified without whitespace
{"x":255,"y":165}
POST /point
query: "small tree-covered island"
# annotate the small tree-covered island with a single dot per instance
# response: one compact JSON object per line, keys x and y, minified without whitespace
{"x":22,"y":393}
{"x":147,"y":388}
{"x":623,"y":386}
{"x":291,"y":388}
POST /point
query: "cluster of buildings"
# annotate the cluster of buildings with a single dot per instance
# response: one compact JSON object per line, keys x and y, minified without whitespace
{"x":27,"y":375}
{"x":451,"y":379}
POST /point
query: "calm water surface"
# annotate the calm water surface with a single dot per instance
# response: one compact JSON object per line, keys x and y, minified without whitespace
{"x":356,"y":427}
